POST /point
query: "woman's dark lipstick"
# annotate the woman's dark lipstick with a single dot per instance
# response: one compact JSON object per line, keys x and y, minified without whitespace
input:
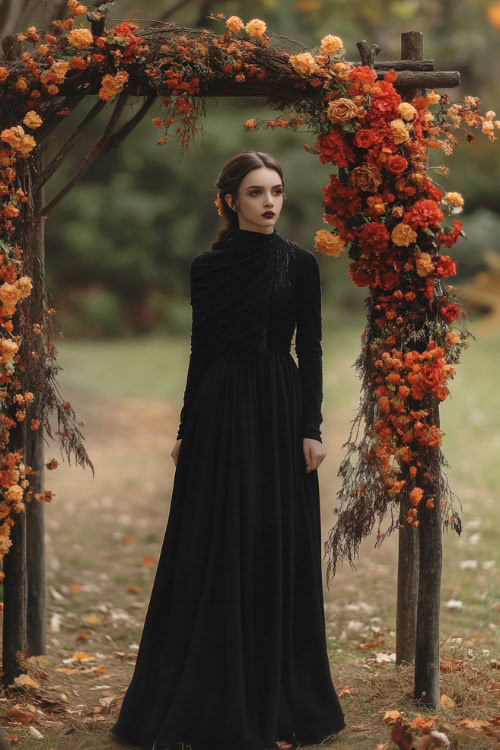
{"x":269,"y":214}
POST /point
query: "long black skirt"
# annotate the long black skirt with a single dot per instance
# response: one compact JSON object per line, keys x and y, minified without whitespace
{"x":233,"y":651}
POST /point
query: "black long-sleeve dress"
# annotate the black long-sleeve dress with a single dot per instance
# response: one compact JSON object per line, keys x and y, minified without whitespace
{"x":233,"y":651}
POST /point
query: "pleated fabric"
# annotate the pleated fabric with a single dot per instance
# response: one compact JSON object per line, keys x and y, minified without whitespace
{"x":233,"y":652}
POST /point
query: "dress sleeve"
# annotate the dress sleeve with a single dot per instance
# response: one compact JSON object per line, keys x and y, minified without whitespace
{"x":196,"y":357}
{"x":308,"y":344}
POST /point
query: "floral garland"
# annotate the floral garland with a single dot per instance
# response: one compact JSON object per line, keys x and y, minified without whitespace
{"x":384,"y":210}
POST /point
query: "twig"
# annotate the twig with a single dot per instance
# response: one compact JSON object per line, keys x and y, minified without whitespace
{"x":91,"y":156}
{"x":127,"y":128}
{"x":68,"y":145}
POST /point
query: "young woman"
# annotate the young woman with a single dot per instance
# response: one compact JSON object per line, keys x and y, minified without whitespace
{"x":233,"y":653}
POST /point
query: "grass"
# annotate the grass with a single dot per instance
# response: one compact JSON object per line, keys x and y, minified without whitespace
{"x":104,"y":533}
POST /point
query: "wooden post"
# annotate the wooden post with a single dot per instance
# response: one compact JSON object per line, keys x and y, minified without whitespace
{"x":15,"y":583}
{"x":412,"y":48}
{"x":35,"y":511}
{"x":430,"y":555}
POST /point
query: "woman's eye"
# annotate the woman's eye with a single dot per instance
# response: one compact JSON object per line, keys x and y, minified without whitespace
{"x":256,"y":192}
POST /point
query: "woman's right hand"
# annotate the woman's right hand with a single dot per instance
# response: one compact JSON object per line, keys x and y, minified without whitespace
{"x":175,"y":450}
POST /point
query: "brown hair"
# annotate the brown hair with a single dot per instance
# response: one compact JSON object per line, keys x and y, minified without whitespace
{"x":229,"y":179}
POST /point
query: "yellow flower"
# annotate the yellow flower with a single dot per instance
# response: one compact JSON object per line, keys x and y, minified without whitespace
{"x":304,"y":63}
{"x":32,"y":119}
{"x":328,"y":243}
{"x":80,"y":38}
{"x":234,"y":23}
{"x":403,"y":234}
{"x":255,"y":27}
{"x":456,"y":199}
{"x":112,"y":85}
{"x":25,"y":285}
{"x":433,"y":97}
{"x":399,"y":131}
{"x":248,"y":124}
{"x":342,"y":70}
{"x":8,"y":347}
{"x":423,"y":263}
{"x":331,"y":45}
{"x":407,"y":111}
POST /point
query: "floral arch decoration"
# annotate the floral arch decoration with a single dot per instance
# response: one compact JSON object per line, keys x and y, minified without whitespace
{"x":383,"y":209}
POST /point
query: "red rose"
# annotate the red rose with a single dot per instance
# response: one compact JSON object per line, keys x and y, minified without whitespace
{"x":450,"y":312}
{"x":445,"y":266}
{"x":360,"y":275}
{"x":397,"y":164}
{"x":364,"y":138}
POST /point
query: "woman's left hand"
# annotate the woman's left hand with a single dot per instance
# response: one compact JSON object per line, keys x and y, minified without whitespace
{"x":314,"y":453}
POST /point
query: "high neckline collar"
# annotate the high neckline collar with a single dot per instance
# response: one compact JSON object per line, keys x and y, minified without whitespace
{"x":251,"y":234}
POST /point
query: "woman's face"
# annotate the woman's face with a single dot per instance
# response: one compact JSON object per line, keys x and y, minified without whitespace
{"x":261,"y":191}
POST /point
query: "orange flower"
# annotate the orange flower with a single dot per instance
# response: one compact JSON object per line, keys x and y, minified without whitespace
{"x":416,"y":495}
{"x":328,"y":243}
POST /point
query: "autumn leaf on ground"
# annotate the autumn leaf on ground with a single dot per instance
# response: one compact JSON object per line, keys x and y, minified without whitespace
{"x":24,"y":680}
{"x":445,"y":701}
{"x":76,"y":587}
{"x":422,"y":722}
{"x":128,"y":538}
{"x":148,"y":561}
{"x":391,"y":716}
{"x":23,"y":714}
{"x":83,"y":636}
{"x":91,"y":620}
{"x":372,"y":644}
{"x":476,"y":724}
{"x":134,"y":589}
{"x":346,"y":691}
{"x":451,"y":665}
{"x":401,"y":735}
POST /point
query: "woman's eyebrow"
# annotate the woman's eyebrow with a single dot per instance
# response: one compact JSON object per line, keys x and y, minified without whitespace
{"x":259,"y":186}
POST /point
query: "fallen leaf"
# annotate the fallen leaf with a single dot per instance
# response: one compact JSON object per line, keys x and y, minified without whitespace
{"x":422,"y":722}
{"x":24,"y":680}
{"x":476,"y":724}
{"x":76,"y":587}
{"x":91,"y":620}
{"x":451,"y":665}
{"x":446,"y":702}
{"x":34,"y":733}
{"x":23,"y":714}
{"x":134,"y":589}
{"x":345,"y":691}
{"x":391,"y":716}
{"x":148,"y":561}
{"x":401,"y":735}
{"x":372,"y":644}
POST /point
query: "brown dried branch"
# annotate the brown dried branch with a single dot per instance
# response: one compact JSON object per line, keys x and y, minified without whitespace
{"x":69,"y":144}
{"x":127,"y":128}
{"x":96,"y":150}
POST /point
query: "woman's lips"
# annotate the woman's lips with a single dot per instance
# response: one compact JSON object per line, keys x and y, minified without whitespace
{"x":269,"y":214}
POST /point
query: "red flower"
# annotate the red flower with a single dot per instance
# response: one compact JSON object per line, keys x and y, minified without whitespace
{"x":397,"y":164}
{"x":423,"y":213}
{"x":373,"y":237}
{"x":360,"y":275}
{"x":450,"y":236}
{"x":364,"y":138}
{"x":388,"y":278}
{"x":444,"y":266}
{"x":334,"y":148}
{"x":341,"y":199}
{"x":450,"y":312}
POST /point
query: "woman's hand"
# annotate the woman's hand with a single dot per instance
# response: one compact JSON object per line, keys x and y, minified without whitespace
{"x":314,"y":453}
{"x":175,"y":450}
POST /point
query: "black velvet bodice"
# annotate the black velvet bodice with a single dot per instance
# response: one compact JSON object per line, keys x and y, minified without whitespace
{"x":255,"y":290}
